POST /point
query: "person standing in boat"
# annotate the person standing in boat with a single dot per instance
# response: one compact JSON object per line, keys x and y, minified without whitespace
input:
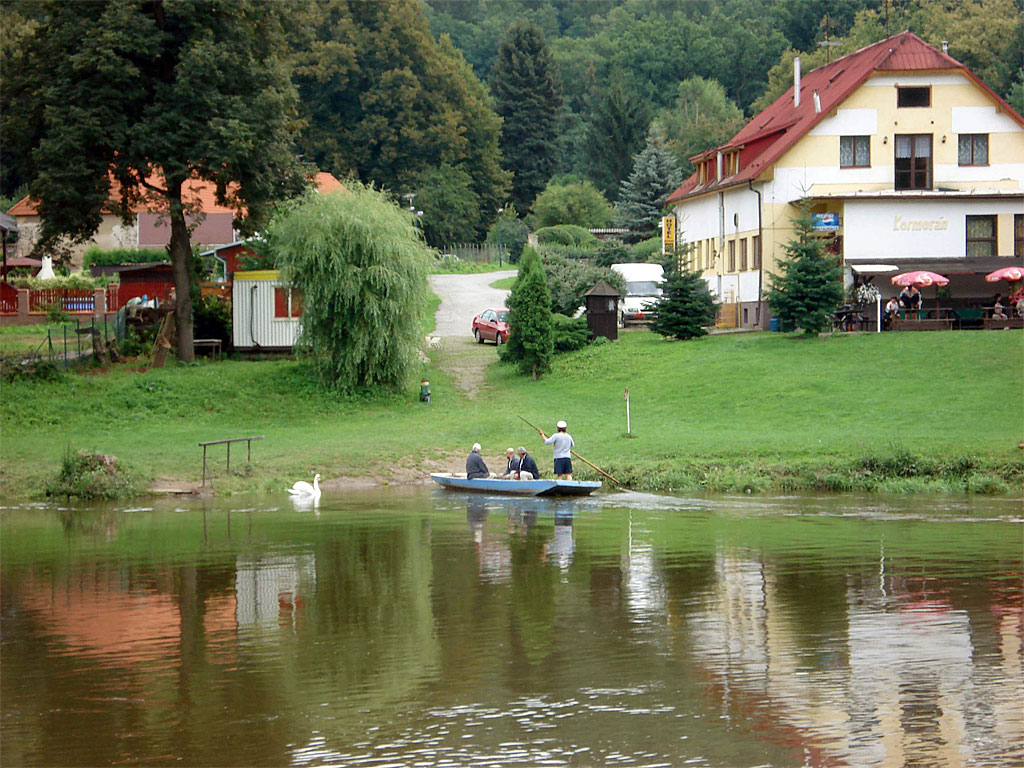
{"x":475,"y":467}
{"x":527,"y":466}
{"x":563,"y":444}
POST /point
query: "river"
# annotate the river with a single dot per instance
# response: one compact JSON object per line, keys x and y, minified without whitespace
{"x":414,"y":627}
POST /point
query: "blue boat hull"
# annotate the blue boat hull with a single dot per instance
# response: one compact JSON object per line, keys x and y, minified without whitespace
{"x":517,"y":487}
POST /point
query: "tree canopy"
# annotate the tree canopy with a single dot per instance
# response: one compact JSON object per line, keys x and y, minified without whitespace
{"x":359,"y":265}
{"x":655,"y":176}
{"x":112,"y":104}
{"x":580,"y":204}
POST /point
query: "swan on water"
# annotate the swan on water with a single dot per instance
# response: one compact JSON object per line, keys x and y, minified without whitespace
{"x":302,"y":488}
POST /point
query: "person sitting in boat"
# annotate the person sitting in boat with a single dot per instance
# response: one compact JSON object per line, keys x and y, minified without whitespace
{"x":527,"y":466}
{"x":475,"y":467}
{"x":511,"y":465}
{"x":563,"y":444}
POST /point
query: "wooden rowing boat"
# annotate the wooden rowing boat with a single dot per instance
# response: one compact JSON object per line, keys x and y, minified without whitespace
{"x":516,"y":487}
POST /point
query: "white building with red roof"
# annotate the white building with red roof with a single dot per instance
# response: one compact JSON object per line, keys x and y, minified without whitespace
{"x":150,"y":227}
{"x":909,"y":161}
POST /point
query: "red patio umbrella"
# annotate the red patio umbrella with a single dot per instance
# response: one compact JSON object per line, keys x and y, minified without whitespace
{"x":924,"y":278}
{"x":1013,"y":274}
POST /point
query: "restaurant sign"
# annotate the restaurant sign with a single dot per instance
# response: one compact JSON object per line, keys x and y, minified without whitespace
{"x":825,"y":222}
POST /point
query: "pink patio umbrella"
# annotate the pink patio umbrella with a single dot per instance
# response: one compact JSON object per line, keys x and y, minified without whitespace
{"x":923,"y":278}
{"x":1012,"y":274}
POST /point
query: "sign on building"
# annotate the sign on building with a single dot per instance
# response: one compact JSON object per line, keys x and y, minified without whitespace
{"x":825,"y":222}
{"x":668,"y":234}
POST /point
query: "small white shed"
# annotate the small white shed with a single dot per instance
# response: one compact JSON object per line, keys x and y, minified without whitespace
{"x":264,"y":311}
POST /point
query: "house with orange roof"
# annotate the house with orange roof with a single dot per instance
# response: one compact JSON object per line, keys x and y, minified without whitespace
{"x":908,"y":160}
{"x":150,"y":228}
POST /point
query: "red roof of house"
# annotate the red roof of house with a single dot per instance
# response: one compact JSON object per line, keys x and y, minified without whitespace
{"x":768,"y":135}
{"x":195,"y":190}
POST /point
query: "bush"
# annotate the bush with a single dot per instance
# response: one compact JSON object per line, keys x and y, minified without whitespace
{"x":211,"y":318}
{"x":56,"y":313}
{"x":76,"y":281}
{"x":647,"y":250}
{"x":579,"y":204}
{"x":531,"y":344}
{"x":86,"y":475}
{"x":571,"y":333}
{"x":135,"y":342}
{"x":569,"y":281}
{"x":35,"y":369}
{"x":612,"y":252}
{"x":511,"y":232}
{"x":567,"y":235}
{"x":112,"y":256}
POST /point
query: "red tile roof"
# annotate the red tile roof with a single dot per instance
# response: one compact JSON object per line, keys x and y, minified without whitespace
{"x":194,"y":190}
{"x":768,"y":135}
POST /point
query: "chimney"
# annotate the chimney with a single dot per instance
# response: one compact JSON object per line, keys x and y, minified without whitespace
{"x":817,"y":102}
{"x":945,"y":47}
{"x":796,"y":82}
{"x":718,"y":169}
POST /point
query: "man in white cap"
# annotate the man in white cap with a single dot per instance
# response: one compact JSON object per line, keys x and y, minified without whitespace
{"x":563,"y":444}
{"x":475,"y":467}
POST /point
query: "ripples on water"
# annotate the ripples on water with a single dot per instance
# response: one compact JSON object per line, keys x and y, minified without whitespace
{"x":402,"y":628}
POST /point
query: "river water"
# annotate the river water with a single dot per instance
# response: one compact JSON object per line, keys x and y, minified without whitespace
{"x":412,"y":627}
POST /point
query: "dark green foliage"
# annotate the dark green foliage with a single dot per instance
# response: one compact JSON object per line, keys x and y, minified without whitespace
{"x":655,"y":176}
{"x":213,"y":318}
{"x":703,"y":116}
{"x":566,"y":234}
{"x":450,"y":206}
{"x":528,"y":97}
{"x":808,"y":286}
{"x":686,"y":309}
{"x":531,"y":339}
{"x":570,"y":279}
{"x":648,"y":250}
{"x":113,"y":256}
{"x":111,"y":92}
{"x":612,"y":252}
{"x":578,"y":203}
{"x":360,"y":266}
{"x":86,"y":475}
{"x":511,"y":232}
{"x":615,"y":131}
{"x":571,"y":333}
{"x":33,"y":369}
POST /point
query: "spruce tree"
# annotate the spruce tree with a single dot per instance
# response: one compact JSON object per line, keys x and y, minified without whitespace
{"x":808,"y":286}
{"x":615,"y":131}
{"x":656,"y":174}
{"x":686,"y":309}
{"x":531,"y":340}
{"x":528,"y":97}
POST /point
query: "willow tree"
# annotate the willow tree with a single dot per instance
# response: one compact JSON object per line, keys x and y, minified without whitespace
{"x":360,"y":266}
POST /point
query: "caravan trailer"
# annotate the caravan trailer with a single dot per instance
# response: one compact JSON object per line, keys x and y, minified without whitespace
{"x":265,"y":312}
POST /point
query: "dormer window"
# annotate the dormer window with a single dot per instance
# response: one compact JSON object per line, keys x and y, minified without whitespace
{"x":916,"y":96}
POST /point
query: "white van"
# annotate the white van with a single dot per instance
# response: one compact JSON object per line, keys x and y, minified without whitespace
{"x":643,"y":290}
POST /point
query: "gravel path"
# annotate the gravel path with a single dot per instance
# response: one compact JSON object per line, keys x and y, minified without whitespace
{"x":463,"y":297}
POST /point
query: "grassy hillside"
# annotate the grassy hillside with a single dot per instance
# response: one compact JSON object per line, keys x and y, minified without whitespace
{"x":891,"y":412}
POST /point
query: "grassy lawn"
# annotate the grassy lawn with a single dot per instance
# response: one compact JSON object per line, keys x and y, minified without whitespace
{"x":892,"y":412}
{"x":464,"y":267}
{"x":21,"y":339}
{"x":504,"y":284}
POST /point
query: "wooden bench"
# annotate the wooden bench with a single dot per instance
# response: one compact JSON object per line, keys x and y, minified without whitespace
{"x":228,"y":442}
{"x":910,"y":324}
{"x":998,"y":323}
{"x":212,"y":344}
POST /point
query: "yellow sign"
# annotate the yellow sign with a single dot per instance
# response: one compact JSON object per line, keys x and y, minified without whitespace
{"x":668,"y":234}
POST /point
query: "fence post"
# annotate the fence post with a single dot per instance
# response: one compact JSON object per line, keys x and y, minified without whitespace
{"x":99,"y":303}
{"x":22,"y":305}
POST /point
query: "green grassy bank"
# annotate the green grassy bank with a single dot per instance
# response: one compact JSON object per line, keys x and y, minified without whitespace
{"x":750,"y":412}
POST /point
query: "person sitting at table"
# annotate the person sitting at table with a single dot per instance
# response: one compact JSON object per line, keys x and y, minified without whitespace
{"x":892,"y":309}
{"x":997,"y":307}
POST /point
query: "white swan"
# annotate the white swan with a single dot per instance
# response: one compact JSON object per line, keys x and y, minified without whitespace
{"x":302,"y":488}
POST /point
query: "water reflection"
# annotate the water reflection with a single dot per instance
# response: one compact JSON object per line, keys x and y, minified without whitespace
{"x":412,"y":628}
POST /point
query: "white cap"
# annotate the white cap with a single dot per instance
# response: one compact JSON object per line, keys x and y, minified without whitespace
{"x":476,"y":447}
{"x":561,"y":425}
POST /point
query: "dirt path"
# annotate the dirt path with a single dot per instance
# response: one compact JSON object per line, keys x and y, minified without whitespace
{"x":462,"y":297}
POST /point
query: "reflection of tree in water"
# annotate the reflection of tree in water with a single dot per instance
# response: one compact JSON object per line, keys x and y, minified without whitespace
{"x":533,"y":584}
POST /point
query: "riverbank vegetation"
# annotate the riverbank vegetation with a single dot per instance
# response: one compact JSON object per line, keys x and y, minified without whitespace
{"x":728,"y":413}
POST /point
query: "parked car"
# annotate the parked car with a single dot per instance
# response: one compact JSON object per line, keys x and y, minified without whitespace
{"x":643,"y":291}
{"x":491,"y":325}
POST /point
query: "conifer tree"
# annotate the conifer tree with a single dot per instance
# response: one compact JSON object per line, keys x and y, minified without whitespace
{"x":686,"y":309}
{"x":809,"y":286}
{"x":618,"y":121}
{"x":528,"y":97}
{"x":655,"y":175}
{"x":531,"y":341}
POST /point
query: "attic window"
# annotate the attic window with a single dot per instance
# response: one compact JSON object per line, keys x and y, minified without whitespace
{"x":918,"y":96}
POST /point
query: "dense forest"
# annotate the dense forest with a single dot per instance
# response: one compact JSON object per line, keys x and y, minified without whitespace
{"x":472,"y":106}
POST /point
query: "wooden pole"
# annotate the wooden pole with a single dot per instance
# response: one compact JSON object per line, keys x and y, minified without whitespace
{"x":541,"y":432}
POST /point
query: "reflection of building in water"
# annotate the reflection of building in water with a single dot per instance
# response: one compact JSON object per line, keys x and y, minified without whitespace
{"x":903,"y":685}
{"x":561,"y":545}
{"x":643,"y":586}
{"x":269,"y":590}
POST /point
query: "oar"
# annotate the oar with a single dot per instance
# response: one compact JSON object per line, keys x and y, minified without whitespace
{"x":540,"y":431}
